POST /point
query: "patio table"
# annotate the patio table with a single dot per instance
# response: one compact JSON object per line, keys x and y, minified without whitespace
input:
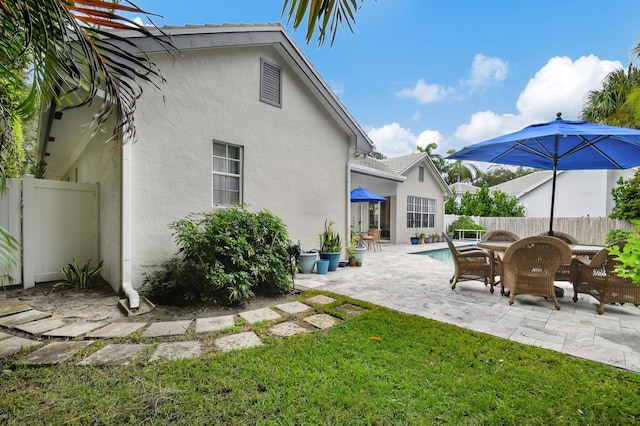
{"x":576,"y":249}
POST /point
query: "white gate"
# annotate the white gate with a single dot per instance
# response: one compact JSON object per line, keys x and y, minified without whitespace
{"x":10,"y":221}
{"x":59,"y":221}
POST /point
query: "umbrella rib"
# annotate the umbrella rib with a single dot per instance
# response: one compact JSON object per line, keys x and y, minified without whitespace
{"x":521,"y":146}
{"x":586,"y":143}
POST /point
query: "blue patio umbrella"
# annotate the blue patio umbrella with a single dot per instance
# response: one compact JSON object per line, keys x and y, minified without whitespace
{"x":560,"y":145}
{"x":363,"y":195}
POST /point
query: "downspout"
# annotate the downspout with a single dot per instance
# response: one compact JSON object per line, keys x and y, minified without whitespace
{"x":348,"y":221}
{"x":127,"y":287}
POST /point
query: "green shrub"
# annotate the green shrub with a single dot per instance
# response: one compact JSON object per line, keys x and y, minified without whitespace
{"x":227,"y":256}
{"x":629,"y":256}
{"x":617,"y":235}
{"x":465,"y":222}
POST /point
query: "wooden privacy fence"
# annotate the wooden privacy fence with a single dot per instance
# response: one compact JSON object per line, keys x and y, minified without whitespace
{"x":587,"y":230}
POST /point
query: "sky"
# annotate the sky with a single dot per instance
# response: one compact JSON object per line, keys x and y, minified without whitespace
{"x":450,"y":72}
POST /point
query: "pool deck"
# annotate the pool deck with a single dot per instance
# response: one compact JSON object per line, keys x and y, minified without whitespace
{"x":419,"y":285}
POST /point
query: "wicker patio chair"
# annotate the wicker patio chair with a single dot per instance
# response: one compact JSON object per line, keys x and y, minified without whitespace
{"x":564,"y":271}
{"x":598,"y":279}
{"x":499,"y":235}
{"x":471,"y":264}
{"x":372,"y":239}
{"x":529,"y":266}
{"x":569,"y":239}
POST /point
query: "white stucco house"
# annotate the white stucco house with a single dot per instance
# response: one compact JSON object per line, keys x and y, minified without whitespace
{"x":579,"y":193}
{"x":415,"y":193}
{"x":243,"y":117}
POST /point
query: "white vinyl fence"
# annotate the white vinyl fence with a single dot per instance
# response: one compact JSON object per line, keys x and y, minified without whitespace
{"x":59,"y":222}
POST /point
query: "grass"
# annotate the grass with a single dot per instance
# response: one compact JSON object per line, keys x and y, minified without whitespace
{"x":416,"y":372}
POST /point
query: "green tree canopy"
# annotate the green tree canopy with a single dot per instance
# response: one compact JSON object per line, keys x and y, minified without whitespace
{"x":486,"y":203}
{"x":626,"y":197}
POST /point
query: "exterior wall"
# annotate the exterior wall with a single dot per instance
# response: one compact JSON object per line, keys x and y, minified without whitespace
{"x":427,"y":189}
{"x":295,"y":157}
{"x":578,"y":193}
{"x":101,"y":163}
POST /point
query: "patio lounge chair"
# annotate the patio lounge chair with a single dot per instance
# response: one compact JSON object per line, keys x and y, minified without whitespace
{"x":598,"y":279}
{"x":472,"y":264}
{"x":529,"y":266}
{"x":499,"y":235}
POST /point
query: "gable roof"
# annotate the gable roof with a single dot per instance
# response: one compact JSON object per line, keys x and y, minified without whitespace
{"x":208,"y":37}
{"x":397,"y":168}
{"x":462,"y":187}
{"x":524,"y":184}
{"x":233,"y":35}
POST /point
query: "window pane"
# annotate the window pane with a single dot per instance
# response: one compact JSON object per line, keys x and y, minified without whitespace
{"x":219,"y":165}
{"x":234,"y":152}
{"x":219,"y":150}
{"x":233,"y":183}
{"x":218,"y":197}
{"x":234,"y":167}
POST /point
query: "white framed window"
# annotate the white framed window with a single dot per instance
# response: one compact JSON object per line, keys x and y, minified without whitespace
{"x":421,"y":174}
{"x":421,"y":212}
{"x":270,"y":83}
{"x":226,"y":175}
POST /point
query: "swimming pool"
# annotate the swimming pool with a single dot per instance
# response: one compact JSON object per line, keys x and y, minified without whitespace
{"x":443,"y":254}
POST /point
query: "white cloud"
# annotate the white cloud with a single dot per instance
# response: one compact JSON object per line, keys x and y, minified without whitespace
{"x":426,"y":93}
{"x":560,"y":86}
{"x":484,"y":70}
{"x":337,"y":87}
{"x":394,"y":141}
{"x":138,"y":20}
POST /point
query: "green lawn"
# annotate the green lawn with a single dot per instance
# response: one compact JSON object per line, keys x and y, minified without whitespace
{"x":419,"y":372}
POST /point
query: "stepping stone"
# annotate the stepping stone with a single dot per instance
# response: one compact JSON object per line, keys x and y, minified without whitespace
{"x":287,"y":329}
{"x":55,"y":353}
{"x":12,"y":306}
{"x":115,"y":354}
{"x":322,"y":321}
{"x":248,"y":339}
{"x":293,"y":307}
{"x":321,"y":299}
{"x":38,"y":327}
{"x":167,"y":328}
{"x":4,"y":335}
{"x":207,"y":325}
{"x":73,"y":330}
{"x":264,"y":314}
{"x":23,"y":317}
{"x":176,"y":350}
{"x":350,"y":309}
{"x":13,"y":345}
{"x":117,"y":329}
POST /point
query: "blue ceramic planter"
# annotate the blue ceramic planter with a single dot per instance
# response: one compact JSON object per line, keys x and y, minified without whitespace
{"x":332,"y":257}
{"x":322,"y":266}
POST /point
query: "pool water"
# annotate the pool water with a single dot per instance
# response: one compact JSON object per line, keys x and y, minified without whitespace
{"x":443,"y":254}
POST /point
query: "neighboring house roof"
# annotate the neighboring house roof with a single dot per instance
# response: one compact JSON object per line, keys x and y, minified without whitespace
{"x":228,"y":36}
{"x":522,"y":185}
{"x":463,"y":187}
{"x":406,"y":163}
{"x":374,"y":167}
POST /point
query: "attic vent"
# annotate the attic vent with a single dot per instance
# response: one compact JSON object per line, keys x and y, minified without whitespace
{"x":270,"y":83}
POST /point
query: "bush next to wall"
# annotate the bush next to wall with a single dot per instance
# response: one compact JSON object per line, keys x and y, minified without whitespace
{"x":225,"y":257}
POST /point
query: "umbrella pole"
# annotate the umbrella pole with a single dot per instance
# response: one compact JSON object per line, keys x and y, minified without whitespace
{"x":553,"y":187}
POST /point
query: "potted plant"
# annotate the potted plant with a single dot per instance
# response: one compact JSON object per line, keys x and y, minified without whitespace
{"x":330,"y":245}
{"x":421,"y":238}
{"x":351,"y":253}
{"x":307,"y":261}
{"x":434,"y":238}
{"x":415,"y":239}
